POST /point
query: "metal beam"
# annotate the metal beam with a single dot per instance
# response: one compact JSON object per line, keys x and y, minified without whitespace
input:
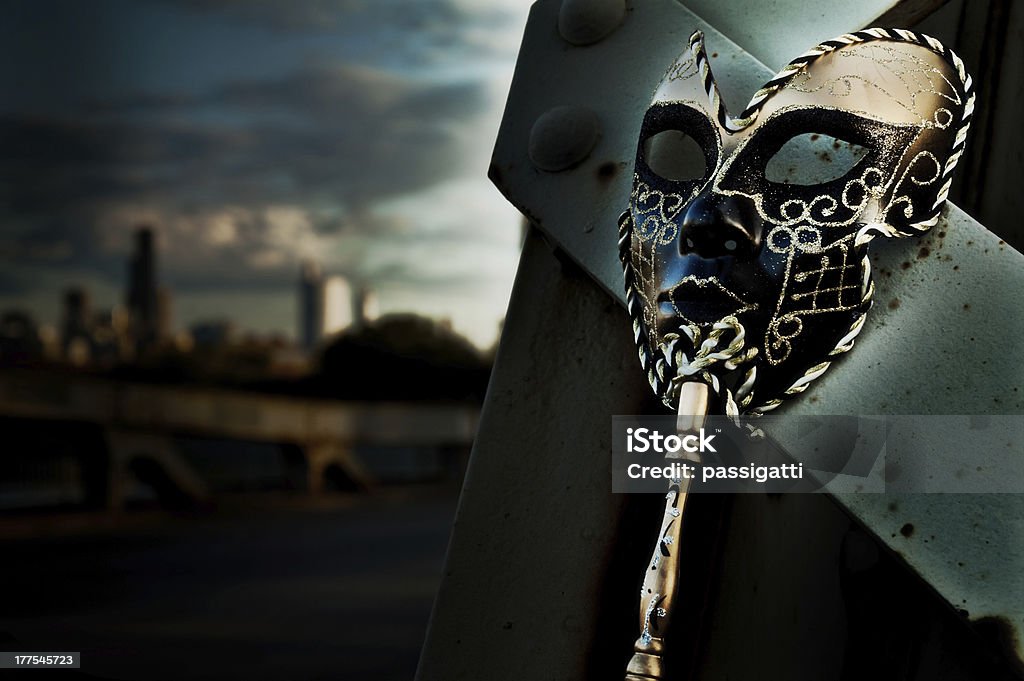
{"x":936,"y":343}
{"x":537,"y":526}
{"x":769,"y":30}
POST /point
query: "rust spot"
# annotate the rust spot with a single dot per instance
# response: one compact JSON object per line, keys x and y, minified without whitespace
{"x":907,"y":530}
{"x":606,"y":171}
{"x":835,"y":145}
{"x":894,"y":303}
{"x":942,"y":235}
{"x":999,"y":630}
{"x":967,"y":306}
{"x":923,"y":253}
{"x":814,"y":137}
{"x":956,"y":268}
{"x":813,"y":399}
{"x":905,"y":265}
{"x":714,"y":55}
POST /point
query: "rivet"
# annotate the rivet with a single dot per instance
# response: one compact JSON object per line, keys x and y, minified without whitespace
{"x":583,"y":22}
{"x":562,"y":137}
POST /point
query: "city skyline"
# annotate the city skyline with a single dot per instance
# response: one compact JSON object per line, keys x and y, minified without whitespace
{"x":138,"y":330}
{"x":252,"y":138}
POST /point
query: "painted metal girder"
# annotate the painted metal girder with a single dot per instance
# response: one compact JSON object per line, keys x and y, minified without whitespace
{"x":769,"y":30}
{"x":939,"y":341}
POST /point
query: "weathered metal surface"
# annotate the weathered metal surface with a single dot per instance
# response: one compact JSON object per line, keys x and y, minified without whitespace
{"x":770,"y":30}
{"x":537,"y":523}
{"x":941,"y":337}
{"x":582,"y":22}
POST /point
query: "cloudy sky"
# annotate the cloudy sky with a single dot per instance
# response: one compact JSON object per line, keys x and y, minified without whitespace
{"x":254,"y":134}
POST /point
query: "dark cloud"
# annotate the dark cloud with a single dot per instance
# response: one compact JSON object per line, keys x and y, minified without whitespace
{"x":336,"y":137}
{"x":406,"y":274}
{"x":363,"y":132}
{"x":439,"y":16}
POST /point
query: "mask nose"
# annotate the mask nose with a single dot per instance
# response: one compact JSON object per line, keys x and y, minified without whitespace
{"x":715,"y":226}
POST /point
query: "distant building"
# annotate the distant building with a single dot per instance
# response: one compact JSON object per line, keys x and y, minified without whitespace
{"x":325,"y":306}
{"x":20,"y":340}
{"x":143,"y":300}
{"x":364,"y":307}
{"x":213,"y":333}
{"x":76,"y":326}
{"x":337,"y":306}
{"x":164,"y":313}
{"x":111,"y":336}
{"x":310,"y":305}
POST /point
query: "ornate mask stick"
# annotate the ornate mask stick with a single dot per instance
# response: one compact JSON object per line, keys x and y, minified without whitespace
{"x":744,"y":247}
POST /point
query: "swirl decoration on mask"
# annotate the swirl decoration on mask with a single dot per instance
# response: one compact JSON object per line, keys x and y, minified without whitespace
{"x":746,"y":263}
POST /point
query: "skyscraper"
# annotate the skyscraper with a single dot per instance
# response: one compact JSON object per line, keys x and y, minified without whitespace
{"x":325,"y":305}
{"x":364,"y":307}
{"x":164,"y":313}
{"x":76,"y":326}
{"x":143,"y":299}
{"x":337,"y":306}
{"x":310,"y":305}
{"x":77,"y":314}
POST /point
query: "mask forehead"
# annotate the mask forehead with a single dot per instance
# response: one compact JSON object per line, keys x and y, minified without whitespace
{"x":897,"y":82}
{"x":683,"y":82}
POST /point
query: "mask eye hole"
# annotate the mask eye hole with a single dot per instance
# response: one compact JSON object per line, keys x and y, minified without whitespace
{"x":813,"y":158}
{"x":674,"y":155}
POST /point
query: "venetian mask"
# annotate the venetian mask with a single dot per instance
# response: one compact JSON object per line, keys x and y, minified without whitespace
{"x":745,"y":243}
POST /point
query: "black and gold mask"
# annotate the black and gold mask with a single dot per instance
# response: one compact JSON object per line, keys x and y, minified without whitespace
{"x":753,"y":231}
